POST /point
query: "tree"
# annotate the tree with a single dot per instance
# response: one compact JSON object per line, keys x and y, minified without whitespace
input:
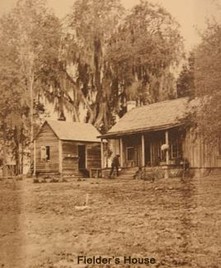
{"x":30,"y":41}
{"x":208,"y":83}
{"x":185,"y":82}
{"x":91,"y":23}
{"x":35,"y":33}
{"x":10,"y":104}
{"x":12,"y":100}
{"x":142,"y":52}
{"x":117,"y":58}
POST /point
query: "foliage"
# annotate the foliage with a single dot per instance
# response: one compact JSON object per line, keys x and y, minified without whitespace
{"x":90,"y":25}
{"x":150,"y":173}
{"x":28,"y":34}
{"x":208,"y":83}
{"x":97,"y":58}
{"x":145,"y":47}
{"x":121,"y":56}
{"x":13,"y":108}
{"x":185,"y":81}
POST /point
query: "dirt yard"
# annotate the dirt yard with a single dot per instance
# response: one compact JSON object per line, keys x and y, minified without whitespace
{"x":175,"y":222}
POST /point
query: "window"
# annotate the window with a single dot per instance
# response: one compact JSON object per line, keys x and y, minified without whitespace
{"x":176,"y":150}
{"x":45,"y":153}
{"x":130,"y":153}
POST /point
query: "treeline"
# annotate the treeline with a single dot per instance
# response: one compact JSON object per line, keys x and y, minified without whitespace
{"x":98,"y":57}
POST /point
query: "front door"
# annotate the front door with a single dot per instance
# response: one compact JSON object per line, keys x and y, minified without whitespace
{"x":82,"y":157}
{"x":131,"y":156}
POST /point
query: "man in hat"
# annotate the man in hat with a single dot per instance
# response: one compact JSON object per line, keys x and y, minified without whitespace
{"x":115,"y":165}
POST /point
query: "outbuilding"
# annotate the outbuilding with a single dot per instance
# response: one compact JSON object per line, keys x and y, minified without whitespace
{"x":62,"y":147}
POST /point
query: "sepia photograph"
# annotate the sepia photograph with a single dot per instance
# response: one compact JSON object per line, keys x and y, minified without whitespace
{"x":110,"y":133}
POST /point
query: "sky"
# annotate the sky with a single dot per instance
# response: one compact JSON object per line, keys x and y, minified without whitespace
{"x":191,"y":14}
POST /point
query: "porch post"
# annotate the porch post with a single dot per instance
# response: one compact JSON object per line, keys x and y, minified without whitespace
{"x":142,"y":150}
{"x":34,"y":171}
{"x":167,"y":154}
{"x":121,"y":152}
{"x":60,"y":156}
{"x":102,"y":154}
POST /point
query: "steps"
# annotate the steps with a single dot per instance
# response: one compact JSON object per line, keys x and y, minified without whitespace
{"x":128,"y":173}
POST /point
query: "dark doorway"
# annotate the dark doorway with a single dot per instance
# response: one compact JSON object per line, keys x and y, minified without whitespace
{"x":82,"y":157}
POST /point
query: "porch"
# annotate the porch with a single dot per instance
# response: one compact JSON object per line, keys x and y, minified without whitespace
{"x":150,"y":149}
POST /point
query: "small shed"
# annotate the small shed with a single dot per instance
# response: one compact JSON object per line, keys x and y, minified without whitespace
{"x":62,"y":147}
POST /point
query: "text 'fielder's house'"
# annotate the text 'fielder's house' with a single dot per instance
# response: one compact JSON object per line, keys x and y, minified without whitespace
{"x":140,"y":135}
{"x":67,"y":148}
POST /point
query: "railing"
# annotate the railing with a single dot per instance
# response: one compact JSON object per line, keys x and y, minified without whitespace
{"x":95,"y":173}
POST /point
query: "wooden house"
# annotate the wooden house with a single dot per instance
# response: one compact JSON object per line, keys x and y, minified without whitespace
{"x":155,"y":135}
{"x":62,"y":147}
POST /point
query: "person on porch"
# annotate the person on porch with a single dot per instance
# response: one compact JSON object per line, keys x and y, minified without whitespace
{"x":115,"y":165}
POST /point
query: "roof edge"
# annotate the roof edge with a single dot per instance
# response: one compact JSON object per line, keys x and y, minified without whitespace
{"x":153,"y":129}
{"x":98,"y":141}
{"x":39,"y":131}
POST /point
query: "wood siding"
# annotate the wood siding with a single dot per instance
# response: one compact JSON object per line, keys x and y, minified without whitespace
{"x":70,"y":157}
{"x":189,"y":146}
{"x":200,"y":154}
{"x":47,"y":138}
{"x":93,"y":155}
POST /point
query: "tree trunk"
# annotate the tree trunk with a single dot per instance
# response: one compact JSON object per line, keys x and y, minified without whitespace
{"x":17,"y":155}
{"x":4,"y":151}
{"x":31,"y":107}
{"x":102,"y":116}
{"x":31,"y":117}
{"x":22,"y":158}
{"x":75,"y":110}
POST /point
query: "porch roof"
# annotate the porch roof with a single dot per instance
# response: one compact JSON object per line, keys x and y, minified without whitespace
{"x":152,"y":117}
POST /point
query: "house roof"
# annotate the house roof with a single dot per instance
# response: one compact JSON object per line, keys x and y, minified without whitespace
{"x":152,"y":117}
{"x":74,"y":131}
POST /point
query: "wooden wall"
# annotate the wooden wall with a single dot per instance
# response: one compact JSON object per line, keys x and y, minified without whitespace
{"x":93,"y":155}
{"x":199,"y":154}
{"x":70,"y":156}
{"x":47,"y":138}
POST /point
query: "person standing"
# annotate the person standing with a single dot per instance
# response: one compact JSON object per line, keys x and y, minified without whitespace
{"x":115,"y":165}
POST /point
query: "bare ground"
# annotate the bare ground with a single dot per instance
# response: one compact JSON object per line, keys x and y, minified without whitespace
{"x":176,"y":222}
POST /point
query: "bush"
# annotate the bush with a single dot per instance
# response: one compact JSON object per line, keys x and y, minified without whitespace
{"x":149,"y":173}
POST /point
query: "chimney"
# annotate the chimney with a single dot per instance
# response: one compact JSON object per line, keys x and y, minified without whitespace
{"x":62,"y":117}
{"x":131,"y":105}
